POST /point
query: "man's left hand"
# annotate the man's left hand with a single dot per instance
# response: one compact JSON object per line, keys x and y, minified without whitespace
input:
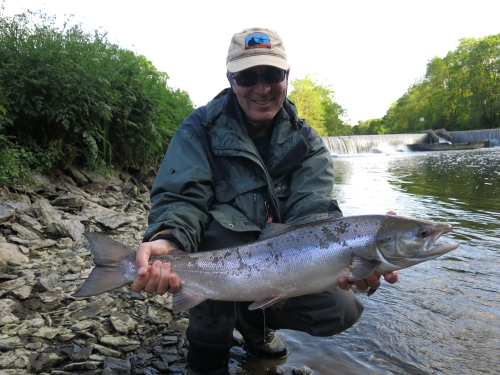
{"x":372,"y":281}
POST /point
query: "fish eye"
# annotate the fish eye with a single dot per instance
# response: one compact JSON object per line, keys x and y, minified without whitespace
{"x":423,"y":233}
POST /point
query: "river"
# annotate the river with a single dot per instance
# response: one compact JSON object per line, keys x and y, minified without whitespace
{"x":443,"y":316}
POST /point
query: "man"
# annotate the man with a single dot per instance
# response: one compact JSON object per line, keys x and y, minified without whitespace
{"x":240,"y":161}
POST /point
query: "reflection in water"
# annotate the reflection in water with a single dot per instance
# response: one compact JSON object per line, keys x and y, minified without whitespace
{"x":443,"y":317}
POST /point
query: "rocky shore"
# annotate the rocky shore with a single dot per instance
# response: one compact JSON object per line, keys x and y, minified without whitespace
{"x":43,"y":260}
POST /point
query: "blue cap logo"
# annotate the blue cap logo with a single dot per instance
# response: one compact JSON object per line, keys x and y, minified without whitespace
{"x":257,"y":40}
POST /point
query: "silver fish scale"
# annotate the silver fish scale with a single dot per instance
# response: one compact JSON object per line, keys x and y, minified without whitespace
{"x":278,"y":266}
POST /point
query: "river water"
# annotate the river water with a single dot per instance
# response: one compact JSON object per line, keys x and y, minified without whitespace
{"x":443,"y":316}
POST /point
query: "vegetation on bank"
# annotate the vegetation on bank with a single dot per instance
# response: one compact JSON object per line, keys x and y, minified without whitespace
{"x":458,"y":92}
{"x":69,"y":96}
{"x":315,"y":101}
{"x":72,"y":97}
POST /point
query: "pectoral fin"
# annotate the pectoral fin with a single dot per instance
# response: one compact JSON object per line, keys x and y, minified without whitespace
{"x":184,"y":300}
{"x":262,"y":304}
{"x":361,"y":267}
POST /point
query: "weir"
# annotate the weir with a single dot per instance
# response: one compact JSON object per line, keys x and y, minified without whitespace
{"x":365,"y":144}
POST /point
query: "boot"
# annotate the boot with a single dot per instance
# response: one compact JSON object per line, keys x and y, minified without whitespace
{"x":272,"y":347}
{"x":259,"y":341}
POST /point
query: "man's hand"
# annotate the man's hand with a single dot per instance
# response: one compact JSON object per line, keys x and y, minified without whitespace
{"x":156,"y":277}
{"x":371,"y":282}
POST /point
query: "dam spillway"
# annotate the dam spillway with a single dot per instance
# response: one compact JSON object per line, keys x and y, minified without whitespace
{"x":365,"y":144}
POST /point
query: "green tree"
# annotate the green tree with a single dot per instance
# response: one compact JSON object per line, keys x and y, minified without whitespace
{"x":315,"y":104}
{"x":458,"y":92}
{"x":71,"y":96}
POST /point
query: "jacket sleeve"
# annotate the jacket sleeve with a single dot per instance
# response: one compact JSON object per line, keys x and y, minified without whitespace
{"x":183,"y":189}
{"x":311,"y":184}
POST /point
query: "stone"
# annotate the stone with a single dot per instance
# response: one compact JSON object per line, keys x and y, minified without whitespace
{"x":24,"y":232}
{"x":118,"y":341}
{"x":180,"y":325}
{"x":48,"y":332}
{"x":68,"y":200}
{"x":12,"y":253}
{"x":114,"y":366}
{"x":107,"y":351}
{"x":52,"y":296}
{"x":78,"y":176}
{"x":66,"y":228}
{"x":44,"y":362}
{"x":45,"y":212}
{"x":8,"y":343}
{"x":303,"y":370}
{"x":115,"y":221}
{"x":159,"y":316}
{"x":6,"y":212}
{"x":48,"y":283}
{"x":6,"y":317}
{"x":123,"y":323}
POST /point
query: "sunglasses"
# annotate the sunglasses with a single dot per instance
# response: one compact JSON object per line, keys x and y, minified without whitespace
{"x":248,"y":78}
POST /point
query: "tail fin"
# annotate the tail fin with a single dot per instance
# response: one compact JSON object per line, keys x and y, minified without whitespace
{"x":106,"y":274}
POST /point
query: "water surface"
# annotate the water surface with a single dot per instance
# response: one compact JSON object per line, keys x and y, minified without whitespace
{"x":443,"y":317}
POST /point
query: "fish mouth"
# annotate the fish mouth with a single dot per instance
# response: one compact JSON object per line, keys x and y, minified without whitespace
{"x":441,"y":248}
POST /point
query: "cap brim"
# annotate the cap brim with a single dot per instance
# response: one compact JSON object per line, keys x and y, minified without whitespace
{"x":251,"y":61}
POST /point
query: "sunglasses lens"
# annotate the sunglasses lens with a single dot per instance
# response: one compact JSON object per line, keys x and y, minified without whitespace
{"x":274,"y":76}
{"x":247,"y":78}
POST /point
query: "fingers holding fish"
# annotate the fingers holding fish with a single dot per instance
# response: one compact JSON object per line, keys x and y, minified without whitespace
{"x":391,"y":277}
{"x":168,"y":282}
{"x":150,"y":276}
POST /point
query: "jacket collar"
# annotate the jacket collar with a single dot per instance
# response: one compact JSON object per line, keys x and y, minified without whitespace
{"x":229,"y":135}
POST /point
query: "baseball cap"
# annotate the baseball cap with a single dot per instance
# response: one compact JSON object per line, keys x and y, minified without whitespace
{"x":256,"y":46}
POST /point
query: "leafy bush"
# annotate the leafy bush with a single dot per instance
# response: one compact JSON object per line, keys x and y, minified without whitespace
{"x":68,"y":96}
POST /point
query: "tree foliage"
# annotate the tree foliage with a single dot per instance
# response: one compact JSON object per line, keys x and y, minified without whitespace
{"x":77,"y":98}
{"x":458,"y":92}
{"x":315,"y":103}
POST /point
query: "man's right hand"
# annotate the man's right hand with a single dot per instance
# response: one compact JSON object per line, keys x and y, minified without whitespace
{"x":156,"y":277}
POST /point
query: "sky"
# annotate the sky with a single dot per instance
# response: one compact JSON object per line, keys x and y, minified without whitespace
{"x":369,"y":51}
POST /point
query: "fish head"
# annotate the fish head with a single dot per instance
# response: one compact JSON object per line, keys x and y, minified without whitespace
{"x":403,"y":242}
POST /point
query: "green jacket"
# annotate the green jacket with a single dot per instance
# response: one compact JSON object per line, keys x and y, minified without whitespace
{"x":212,"y":170}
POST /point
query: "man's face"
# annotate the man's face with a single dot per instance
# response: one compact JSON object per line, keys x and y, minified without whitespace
{"x":262,"y":101}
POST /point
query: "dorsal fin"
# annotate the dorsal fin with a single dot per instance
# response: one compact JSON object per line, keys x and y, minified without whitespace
{"x":272,"y":229}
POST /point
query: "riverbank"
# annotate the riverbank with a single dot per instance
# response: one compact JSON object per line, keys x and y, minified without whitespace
{"x":43,"y":260}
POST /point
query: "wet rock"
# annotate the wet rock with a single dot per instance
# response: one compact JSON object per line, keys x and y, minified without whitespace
{"x":118,"y":341}
{"x":108,"y":352}
{"x":7,"y":343}
{"x":115,"y":221}
{"x":180,"y":325}
{"x":66,"y":228}
{"x":12,"y":252}
{"x":69,"y":200}
{"x":44,"y":362}
{"x":29,"y":222}
{"x":23,"y":231}
{"x":47,"y":332}
{"x":52,"y":296}
{"x":158,"y":315}
{"x":6,"y":317}
{"x":114,"y":366}
{"x":48,"y":283}
{"x":78,"y":176}
{"x":304,"y":370}
{"x":6,"y":212}
{"x":79,"y":354}
{"x":45,"y":212}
